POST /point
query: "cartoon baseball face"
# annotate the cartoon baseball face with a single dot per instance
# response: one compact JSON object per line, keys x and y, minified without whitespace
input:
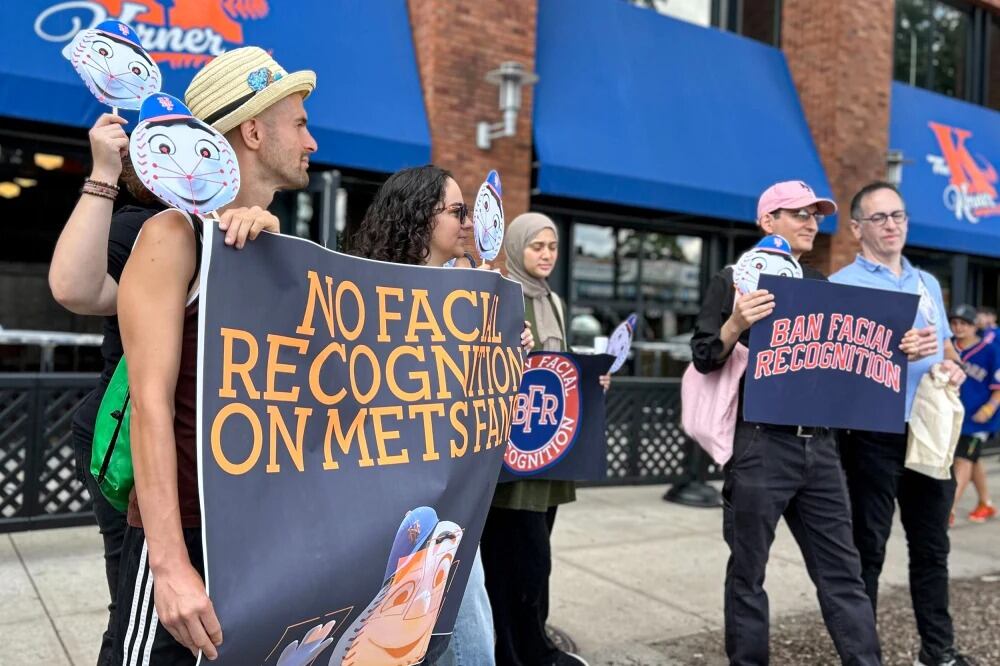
{"x":181,"y":160}
{"x":763,"y":259}
{"x":397,"y":630}
{"x":113,"y":65}
{"x":487,"y":217}
{"x":620,"y":342}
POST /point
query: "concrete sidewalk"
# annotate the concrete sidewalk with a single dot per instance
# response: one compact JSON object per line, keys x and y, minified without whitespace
{"x":629,"y":570}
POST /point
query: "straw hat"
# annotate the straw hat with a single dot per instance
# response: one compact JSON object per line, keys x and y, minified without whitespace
{"x":240,"y":84}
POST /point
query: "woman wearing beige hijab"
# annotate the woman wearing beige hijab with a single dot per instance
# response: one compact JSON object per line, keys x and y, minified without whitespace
{"x":515,"y":544}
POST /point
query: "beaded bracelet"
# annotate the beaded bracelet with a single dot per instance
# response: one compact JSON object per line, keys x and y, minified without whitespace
{"x":101,"y":183}
{"x":104,"y":194}
{"x":98,"y":189}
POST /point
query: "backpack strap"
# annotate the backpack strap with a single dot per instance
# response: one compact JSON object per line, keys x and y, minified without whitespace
{"x":199,"y":226}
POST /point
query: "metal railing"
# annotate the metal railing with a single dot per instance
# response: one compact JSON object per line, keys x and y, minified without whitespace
{"x":38,"y":484}
{"x":39,"y":488}
{"x":645,"y":440}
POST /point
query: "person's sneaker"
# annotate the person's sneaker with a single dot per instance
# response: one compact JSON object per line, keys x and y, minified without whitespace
{"x":950,"y":657}
{"x":982,"y":513}
{"x":569,"y":659}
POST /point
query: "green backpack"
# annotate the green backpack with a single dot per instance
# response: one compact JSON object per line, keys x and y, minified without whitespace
{"x":111,"y":456}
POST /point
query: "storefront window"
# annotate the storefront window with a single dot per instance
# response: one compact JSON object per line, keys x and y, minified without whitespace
{"x":984,"y":283}
{"x":759,"y":19}
{"x":932,"y":46}
{"x":756,"y":19}
{"x":692,"y":11}
{"x":616,"y":272}
{"x":993,"y":63}
{"x":39,"y":185}
{"x":670,"y":285}
{"x":938,"y":264}
{"x":605,"y":263}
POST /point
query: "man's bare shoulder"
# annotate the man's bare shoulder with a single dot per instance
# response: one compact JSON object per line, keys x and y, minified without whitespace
{"x":169,"y":227}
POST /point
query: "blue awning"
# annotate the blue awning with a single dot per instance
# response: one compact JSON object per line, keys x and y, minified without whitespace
{"x":367,"y":110}
{"x":949,"y":182}
{"x":640,"y":109}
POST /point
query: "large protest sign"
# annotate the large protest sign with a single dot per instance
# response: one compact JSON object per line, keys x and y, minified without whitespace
{"x":353,"y":420}
{"x":557,"y":426}
{"x":829,"y":356}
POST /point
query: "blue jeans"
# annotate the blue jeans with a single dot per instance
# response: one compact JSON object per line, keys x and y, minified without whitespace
{"x":471,"y":641}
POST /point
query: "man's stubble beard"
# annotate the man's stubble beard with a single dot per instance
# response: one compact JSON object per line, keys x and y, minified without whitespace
{"x":280,"y":169}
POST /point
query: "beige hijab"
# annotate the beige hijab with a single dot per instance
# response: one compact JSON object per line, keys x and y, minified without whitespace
{"x":518,"y":235}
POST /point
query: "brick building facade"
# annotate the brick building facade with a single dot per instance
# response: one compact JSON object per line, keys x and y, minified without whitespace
{"x":845,"y":91}
{"x":837,"y":69}
{"x":457,"y":43}
{"x":841,"y":59}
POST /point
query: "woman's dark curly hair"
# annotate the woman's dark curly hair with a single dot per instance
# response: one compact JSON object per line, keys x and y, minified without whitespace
{"x":130,"y":179}
{"x":397,"y":226}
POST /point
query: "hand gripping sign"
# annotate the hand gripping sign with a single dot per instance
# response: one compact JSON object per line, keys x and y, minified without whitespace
{"x":180,"y":159}
{"x":771,"y":256}
{"x":828,"y":356}
{"x":487,"y":218}
{"x":620,"y":342}
{"x":113,"y":65}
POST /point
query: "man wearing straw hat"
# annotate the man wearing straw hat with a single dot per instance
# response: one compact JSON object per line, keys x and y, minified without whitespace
{"x":247,"y":96}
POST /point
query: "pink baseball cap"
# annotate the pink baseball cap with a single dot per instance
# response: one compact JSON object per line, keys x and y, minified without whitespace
{"x":793,"y":195}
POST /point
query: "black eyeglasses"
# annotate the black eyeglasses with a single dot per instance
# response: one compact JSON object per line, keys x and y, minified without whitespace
{"x":459,"y":210}
{"x":879,"y":219}
{"x":804,"y":215}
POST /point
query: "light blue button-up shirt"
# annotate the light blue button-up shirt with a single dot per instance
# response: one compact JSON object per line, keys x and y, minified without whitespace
{"x":930,"y":312}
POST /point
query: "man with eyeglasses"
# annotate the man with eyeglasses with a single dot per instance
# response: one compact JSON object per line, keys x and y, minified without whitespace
{"x":776,"y":471}
{"x":873,"y":462}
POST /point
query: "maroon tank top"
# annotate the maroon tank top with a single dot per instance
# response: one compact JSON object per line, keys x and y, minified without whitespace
{"x":185,"y":429}
{"x":185,"y":414}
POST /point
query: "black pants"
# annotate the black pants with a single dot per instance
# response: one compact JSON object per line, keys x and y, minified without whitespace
{"x":877,"y":480}
{"x":517,"y":558}
{"x":139,"y":637}
{"x":111,"y":523}
{"x":774,"y":474}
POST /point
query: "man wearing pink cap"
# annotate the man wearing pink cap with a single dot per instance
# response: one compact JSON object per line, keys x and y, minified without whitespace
{"x":776,"y":471}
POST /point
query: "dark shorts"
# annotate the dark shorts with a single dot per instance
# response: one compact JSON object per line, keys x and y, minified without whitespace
{"x":140,"y":638}
{"x":970,"y":446}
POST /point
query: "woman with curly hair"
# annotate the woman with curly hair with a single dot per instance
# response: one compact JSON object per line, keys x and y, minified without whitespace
{"x":419,"y":217}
